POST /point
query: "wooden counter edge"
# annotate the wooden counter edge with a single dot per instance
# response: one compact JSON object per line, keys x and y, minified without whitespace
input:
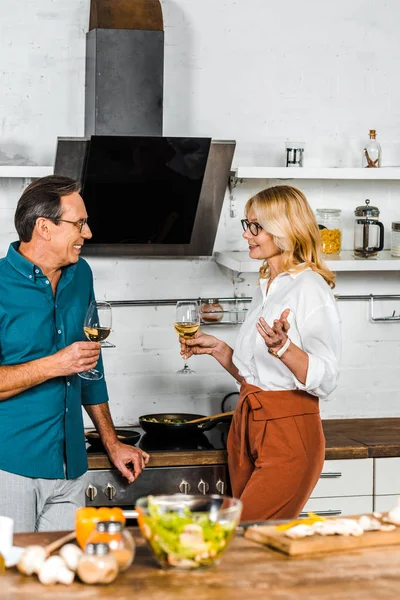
{"x":167,"y":459}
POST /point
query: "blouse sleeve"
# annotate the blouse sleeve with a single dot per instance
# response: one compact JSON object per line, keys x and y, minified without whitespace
{"x":321,"y":339}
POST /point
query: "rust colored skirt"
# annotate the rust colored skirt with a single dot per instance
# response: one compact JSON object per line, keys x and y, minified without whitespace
{"x":276,"y":450}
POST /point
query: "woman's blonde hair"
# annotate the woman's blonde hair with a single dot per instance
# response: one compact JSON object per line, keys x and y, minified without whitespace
{"x":283,"y":211}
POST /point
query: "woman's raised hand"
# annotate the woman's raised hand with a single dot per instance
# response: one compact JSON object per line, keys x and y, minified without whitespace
{"x":201,"y":343}
{"x":275,"y":336}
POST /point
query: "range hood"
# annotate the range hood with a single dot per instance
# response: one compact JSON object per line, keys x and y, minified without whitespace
{"x":146,"y":195}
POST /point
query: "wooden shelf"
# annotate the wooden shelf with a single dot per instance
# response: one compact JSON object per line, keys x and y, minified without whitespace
{"x":240,"y":262}
{"x":25,"y":172}
{"x":388,"y":173}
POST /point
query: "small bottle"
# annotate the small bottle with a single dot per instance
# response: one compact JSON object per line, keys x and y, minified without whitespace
{"x":97,"y":564}
{"x":119,"y":540}
{"x":211,"y":311}
{"x":330,"y":229}
{"x":372,"y":153}
{"x":395,"y":245}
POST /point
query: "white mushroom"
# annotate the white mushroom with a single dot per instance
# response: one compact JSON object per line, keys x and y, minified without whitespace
{"x":325,"y":527}
{"x":71,"y":555}
{"x":328,"y":527}
{"x":54,"y":570}
{"x":348,"y":527}
{"x":31,"y":560}
{"x":388,"y":527}
{"x":394,"y":514}
{"x":299,"y":531}
{"x":368,"y":523}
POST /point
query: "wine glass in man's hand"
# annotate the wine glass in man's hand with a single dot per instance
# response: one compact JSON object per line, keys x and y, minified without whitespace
{"x":97,"y":327}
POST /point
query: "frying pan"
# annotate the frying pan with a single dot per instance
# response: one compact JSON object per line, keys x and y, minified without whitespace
{"x":126,"y":436}
{"x":168,"y":428}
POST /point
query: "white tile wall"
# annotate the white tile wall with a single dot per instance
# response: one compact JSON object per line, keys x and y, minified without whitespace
{"x":261,"y":73}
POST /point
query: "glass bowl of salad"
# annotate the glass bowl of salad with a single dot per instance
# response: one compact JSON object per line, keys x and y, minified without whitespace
{"x":188,"y":532}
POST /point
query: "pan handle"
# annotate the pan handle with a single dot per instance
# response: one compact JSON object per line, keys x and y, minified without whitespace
{"x":223,"y":418}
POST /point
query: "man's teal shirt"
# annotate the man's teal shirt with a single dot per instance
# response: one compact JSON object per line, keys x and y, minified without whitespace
{"x":41,"y":429}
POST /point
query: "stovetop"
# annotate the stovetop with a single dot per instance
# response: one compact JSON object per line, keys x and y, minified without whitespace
{"x":214,"y":439}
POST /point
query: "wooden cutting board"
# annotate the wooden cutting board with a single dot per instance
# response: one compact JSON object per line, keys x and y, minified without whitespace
{"x":315,"y":544}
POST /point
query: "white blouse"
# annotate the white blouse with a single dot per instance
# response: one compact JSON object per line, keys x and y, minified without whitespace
{"x":314,"y":327}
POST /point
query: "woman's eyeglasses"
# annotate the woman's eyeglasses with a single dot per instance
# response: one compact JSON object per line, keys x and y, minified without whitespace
{"x":254,"y":228}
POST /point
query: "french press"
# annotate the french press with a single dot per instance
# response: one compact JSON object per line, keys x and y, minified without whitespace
{"x":368,"y":231}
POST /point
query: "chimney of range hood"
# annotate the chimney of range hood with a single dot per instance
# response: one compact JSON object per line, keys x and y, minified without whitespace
{"x":124,"y":98}
{"x":124,"y":68}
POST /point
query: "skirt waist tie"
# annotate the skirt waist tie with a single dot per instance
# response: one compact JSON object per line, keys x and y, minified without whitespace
{"x":262,"y":405}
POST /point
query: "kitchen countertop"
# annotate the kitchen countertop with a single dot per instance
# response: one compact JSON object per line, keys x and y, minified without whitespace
{"x":246,"y":570}
{"x":345,"y":438}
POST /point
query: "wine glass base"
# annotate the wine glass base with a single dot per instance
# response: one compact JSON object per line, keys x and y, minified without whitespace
{"x":185,"y":371}
{"x":91,"y":375}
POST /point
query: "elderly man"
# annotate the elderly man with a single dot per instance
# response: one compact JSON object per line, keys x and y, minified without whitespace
{"x":45,"y":290}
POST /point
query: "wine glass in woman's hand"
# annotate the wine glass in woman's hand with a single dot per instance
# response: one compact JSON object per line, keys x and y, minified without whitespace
{"x":97,"y":327}
{"x":187,"y":323}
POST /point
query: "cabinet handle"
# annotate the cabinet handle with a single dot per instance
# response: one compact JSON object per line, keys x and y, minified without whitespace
{"x":322,"y":513}
{"x":330,"y":475}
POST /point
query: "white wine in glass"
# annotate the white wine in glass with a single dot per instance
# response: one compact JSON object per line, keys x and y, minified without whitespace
{"x":97,"y":327}
{"x":187,"y":323}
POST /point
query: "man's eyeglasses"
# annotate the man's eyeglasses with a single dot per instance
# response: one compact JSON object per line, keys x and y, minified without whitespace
{"x":255,"y":228}
{"x":79,"y":224}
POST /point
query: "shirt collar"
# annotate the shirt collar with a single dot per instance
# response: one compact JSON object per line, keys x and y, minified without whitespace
{"x":19,"y":262}
{"x":28,"y":269}
{"x":292,"y":274}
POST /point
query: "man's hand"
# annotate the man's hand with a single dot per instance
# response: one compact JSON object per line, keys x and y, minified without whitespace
{"x":78,"y":357}
{"x":129,"y":461}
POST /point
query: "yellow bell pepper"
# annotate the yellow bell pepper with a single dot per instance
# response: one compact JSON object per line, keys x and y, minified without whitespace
{"x":87,"y":517}
{"x":312,"y":518}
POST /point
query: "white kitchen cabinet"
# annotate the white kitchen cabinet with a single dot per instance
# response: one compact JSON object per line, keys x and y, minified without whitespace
{"x":387,"y":476}
{"x":356,"y":486}
{"x":385,"y":503}
{"x":339,"y":506}
{"x":353,"y":477}
{"x":345,"y":487}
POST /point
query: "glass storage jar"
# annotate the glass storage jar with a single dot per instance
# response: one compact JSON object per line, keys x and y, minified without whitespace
{"x":97,"y":564}
{"x":330,"y":229}
{"x":119,"y":540}
{"x":395,"y":245}
{"x":211,"y":311}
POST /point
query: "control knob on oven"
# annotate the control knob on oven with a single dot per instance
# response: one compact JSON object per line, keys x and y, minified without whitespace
{"x":110,"y":491}
{"x":203,"y":487}
{"x":91,"y":492}
{"x":220,"y":485}
{"x":184,"y":487}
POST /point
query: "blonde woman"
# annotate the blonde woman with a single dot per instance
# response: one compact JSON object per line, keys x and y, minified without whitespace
{"x":286,"y":357}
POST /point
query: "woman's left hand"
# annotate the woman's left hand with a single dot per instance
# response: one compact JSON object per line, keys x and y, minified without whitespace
{"x":275,"y":336}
